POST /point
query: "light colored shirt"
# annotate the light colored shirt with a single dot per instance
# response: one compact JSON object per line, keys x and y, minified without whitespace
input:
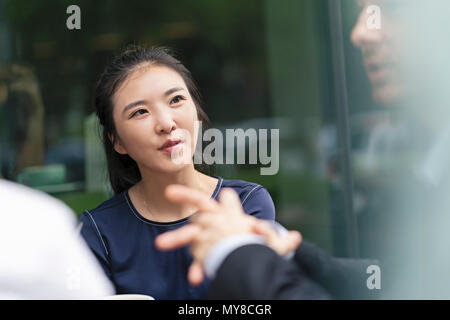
{"x":42,"y":255}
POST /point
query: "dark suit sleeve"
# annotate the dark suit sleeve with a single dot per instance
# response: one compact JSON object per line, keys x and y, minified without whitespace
{"x":257,"y":272}
{"x":344,"y":278}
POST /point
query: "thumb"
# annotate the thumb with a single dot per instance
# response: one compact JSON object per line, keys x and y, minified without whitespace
{"x":294,"y":239}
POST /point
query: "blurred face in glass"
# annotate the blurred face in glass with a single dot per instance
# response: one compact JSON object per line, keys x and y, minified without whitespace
{"x":154,"y":115}
{"x":380,"y":49}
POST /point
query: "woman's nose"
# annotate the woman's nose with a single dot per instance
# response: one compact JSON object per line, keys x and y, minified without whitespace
{"x":164,"y":123}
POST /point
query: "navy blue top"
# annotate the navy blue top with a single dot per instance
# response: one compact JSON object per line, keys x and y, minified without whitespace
{"x":123,"y":242}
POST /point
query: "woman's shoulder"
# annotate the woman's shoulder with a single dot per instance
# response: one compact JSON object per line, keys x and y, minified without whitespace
{"x":243,"y":188}
{"x":114,"y":204}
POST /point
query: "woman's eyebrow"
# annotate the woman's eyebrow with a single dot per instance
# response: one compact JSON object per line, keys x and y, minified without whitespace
{"x":134,"y":104}
{"x":170,"y":91}
{"x":141,"y":102}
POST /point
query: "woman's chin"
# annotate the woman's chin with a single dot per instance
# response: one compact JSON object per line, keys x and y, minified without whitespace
{"x":170,"y":166}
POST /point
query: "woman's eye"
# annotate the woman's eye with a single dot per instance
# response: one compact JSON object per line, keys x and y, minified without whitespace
{"x":139,"y":112}
{"x":176,"y":99}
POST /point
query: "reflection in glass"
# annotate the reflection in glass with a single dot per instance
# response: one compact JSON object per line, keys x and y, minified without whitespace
{"x":401,"y":151}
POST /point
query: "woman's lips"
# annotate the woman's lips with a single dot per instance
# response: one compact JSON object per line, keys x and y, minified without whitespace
{"x":170,"y":146}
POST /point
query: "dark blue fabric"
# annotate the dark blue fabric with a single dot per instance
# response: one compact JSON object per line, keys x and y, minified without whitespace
{"x":123,"y":242}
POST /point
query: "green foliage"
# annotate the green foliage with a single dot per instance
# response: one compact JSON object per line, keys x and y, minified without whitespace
{"x":81,"y":201}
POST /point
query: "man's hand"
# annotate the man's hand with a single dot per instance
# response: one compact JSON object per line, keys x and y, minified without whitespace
{"x":281,"y":244}
{"x":215,"y":221}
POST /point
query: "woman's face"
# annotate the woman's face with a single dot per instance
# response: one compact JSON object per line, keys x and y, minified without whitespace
{"x":154,"y":115}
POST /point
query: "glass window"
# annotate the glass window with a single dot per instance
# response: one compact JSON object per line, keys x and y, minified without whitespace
{"x":357,"y":90}
{"x":258,"y":64}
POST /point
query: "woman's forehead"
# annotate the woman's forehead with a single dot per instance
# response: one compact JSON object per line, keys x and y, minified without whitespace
{"x":150,"y":79}
{"x":155,"y":74}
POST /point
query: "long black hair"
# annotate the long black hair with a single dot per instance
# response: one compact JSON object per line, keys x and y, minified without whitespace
{"x":122,"y":169}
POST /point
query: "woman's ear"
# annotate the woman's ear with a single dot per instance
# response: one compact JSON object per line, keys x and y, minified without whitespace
{"x":118,"y":147}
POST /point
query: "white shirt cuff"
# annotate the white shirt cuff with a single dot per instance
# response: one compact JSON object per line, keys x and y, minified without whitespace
{"x":224,"y":247}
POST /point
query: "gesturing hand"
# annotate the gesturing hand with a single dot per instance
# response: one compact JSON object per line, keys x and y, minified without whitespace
{"x":213,"y":222}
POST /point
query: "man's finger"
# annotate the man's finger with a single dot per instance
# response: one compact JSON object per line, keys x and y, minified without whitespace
{"x":282,"y":244}
{"x":177,"y":238}
{"x":184,"y":195}
{"x":229,"y":197}
{"x":265,"y":229}
{"x":207,"y":219}
{"x":287,"y":243}
{"x":294,"y":239}
{"x":195,"y":274}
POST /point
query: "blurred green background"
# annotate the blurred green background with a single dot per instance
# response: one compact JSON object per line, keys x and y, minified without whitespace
{"x":258,"y":63}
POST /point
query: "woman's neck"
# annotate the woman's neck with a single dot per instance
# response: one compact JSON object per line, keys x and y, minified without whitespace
{"x":151,"y":191}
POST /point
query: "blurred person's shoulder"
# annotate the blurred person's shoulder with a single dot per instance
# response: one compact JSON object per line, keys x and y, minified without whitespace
{"x":31,"y":219}
{"x":23,"y":203}
{"x":41,"y":249}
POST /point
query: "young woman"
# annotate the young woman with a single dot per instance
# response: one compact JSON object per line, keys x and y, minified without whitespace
{"x":147,"y":104}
